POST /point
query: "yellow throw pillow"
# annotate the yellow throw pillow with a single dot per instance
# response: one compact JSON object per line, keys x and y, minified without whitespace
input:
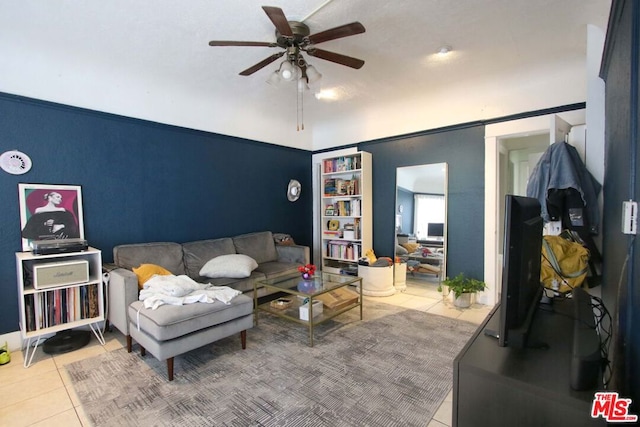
{"x":371,"y":256}
{"x":147,"y":271}
{"x":411,"y":247}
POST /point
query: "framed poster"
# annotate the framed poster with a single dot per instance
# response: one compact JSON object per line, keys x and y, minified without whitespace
{"x":49,"y":212}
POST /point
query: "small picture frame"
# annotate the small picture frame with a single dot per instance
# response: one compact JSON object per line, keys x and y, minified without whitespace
{"x":50,"y":212}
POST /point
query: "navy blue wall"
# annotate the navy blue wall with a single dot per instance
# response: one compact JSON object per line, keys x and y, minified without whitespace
{"x":621,"y":272}
{"x":143,"y":181}
{"x":463,"y":151}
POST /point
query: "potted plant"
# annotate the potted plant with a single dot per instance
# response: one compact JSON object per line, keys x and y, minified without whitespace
{"x":462,"y":288}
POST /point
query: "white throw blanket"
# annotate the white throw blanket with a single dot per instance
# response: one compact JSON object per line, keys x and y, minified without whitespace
{"x":179,"y":290}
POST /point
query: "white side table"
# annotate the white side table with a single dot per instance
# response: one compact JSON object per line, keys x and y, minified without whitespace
{"x":400,"y":276}
{"x":377,"y":281}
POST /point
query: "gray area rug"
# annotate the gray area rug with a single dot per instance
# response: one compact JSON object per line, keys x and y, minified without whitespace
{"x":394,"y":368}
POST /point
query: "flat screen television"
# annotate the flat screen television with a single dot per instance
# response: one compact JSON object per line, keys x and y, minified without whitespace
{"x":435,"y":229}
{"x":521,"y":289}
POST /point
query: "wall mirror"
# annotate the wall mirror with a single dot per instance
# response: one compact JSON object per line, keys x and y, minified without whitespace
{"x":421,"y":220}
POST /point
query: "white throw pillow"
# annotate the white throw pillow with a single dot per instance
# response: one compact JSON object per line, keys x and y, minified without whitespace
{"x":233,"y":266}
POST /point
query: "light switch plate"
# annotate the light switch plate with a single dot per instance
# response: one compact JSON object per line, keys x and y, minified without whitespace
{"x":629,"y":217}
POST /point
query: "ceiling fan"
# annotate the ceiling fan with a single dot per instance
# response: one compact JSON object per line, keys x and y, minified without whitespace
{"x":294,"y":37}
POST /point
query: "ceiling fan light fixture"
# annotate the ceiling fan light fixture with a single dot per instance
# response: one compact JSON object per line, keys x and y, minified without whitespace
{"x":287,"y":71}
{"x":274,"y":79}
{"x":312,"y":74}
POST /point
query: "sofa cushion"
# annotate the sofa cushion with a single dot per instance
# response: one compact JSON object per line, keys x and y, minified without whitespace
{"x":165,"y":254}
{"x":147,"y":271}
{"x":276,"y":269}
{"x":259,"y":246}
{"x":196,"y":254}
{"x":242,"y":285}
{"x":235,"y":266}
{"x":172,"y":321}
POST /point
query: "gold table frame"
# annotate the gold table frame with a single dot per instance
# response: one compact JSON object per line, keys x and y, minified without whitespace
{"x":322,"y":284}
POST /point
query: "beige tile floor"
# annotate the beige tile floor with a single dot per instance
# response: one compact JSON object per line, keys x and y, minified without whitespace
{"x":41,"y":395}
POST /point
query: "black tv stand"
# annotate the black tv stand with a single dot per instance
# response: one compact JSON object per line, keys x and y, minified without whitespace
{"x":492,"y":333}
{"x":496,"y":386}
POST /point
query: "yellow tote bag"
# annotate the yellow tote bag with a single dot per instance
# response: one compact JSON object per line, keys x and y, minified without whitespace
{"x":564,"y":261}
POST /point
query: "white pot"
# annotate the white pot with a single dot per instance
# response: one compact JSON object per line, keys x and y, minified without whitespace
{"x":463,"y":301}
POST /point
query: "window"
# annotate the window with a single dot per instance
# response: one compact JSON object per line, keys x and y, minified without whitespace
{"x":429,"y":208}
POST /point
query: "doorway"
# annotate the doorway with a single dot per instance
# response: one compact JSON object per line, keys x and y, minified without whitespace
{"x":512,"y":150}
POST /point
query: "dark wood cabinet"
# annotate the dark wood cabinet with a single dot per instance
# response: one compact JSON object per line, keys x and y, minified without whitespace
{"x":502,"y":386}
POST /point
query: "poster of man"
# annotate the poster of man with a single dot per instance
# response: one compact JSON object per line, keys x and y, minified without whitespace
{"x":50,"y":212}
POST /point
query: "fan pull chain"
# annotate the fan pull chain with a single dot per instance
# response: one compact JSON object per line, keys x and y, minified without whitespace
{"x":300,"y":107}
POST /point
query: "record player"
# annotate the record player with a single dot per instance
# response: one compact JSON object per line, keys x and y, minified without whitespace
{"x":58,"y":246}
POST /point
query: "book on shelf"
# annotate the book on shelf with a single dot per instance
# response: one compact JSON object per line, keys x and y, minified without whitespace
{"x":330,"y":187}
{"x":341,"y":187}
{"x":356,"y":207}
{"x":341,"y":164}
{"x":94,"y":310}
{"x":343,"y":250}
{"x":30,"y":314}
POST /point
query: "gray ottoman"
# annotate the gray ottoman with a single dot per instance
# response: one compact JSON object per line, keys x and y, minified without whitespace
{"x":171,"y":330}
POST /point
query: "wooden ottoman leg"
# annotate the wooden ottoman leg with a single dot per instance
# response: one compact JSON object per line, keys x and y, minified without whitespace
{"x":129,"y":343}
{"x":243,"y":339}
{"x":143,"y":352}
{"x":170,"y":368}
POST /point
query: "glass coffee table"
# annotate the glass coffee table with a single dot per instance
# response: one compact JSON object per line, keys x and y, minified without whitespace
{"x":305,"y":298}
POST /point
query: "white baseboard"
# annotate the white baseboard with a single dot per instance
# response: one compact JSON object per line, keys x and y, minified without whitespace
{"x":13,"y":339}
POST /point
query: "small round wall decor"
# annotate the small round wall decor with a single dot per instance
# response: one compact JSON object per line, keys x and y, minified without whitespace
{"x":293,"y":190}
{"x":15,"y":162}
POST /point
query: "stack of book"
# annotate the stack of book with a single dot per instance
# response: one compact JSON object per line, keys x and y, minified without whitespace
{"x":341,"y":164}
{"x":341,"y":187}
{"x":340,"y":249}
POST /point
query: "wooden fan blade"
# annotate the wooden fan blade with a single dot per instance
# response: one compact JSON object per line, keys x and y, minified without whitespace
{"x":279,"y":20}
{"x":261,"y":64}
{"x":234,"y":43}
{"x":337,"y":33}
{"x":337,"y":58}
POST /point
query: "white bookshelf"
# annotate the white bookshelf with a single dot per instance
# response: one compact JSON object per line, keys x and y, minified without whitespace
{"x":45,"y":310}
{"x":346,"y":211}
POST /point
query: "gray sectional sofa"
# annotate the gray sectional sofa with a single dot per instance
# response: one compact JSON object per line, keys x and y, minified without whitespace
{"x":189,"y":258}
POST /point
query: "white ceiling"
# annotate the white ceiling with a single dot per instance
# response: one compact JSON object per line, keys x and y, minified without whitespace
{"x":430,"y":178}
{"x":150,"y":59}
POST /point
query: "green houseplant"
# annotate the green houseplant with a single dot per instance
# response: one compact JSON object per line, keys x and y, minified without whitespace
{"x":462,"y":288}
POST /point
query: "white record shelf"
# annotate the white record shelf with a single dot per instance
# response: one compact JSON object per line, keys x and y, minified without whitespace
{"x":56,"y":308}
